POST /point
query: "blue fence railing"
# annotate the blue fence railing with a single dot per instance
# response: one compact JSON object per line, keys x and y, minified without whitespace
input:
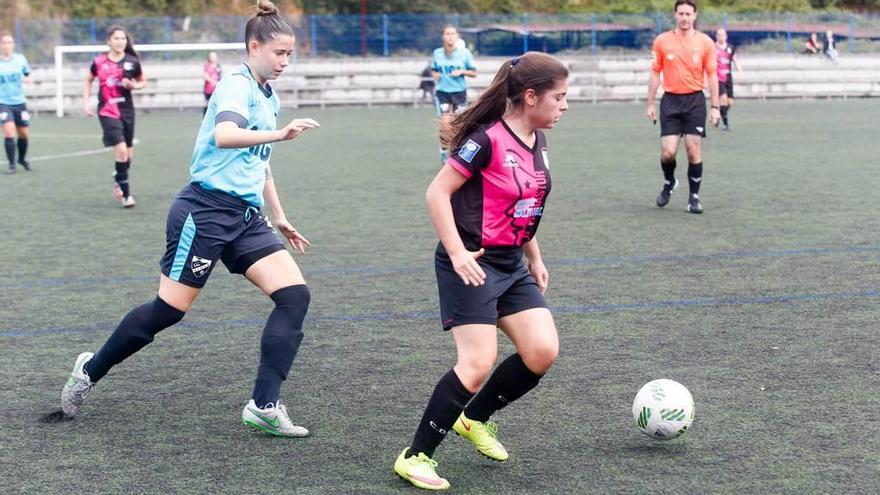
{"x":487,"y":34}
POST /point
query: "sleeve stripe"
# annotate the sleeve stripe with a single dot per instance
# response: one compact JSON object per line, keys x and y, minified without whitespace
{"x":228,"y":116}
{"x":452,"y":162}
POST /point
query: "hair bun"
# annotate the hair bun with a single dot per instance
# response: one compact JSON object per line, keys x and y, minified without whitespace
{"x":265,"y":7}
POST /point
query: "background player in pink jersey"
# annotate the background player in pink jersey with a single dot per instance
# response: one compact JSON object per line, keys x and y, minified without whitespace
{"x":118,"y":72}
{"x":212,"y":75}
{"x":485,"y":205}
{"x":725,"y":54}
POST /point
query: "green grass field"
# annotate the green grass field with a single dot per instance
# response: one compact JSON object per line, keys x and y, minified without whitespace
{"x":765,"y":307}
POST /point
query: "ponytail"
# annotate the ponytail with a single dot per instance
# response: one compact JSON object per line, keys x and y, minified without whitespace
{"x":533,"y":70}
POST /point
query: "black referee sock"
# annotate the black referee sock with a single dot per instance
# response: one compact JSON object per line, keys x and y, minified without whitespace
{"x":668,"y":171}
{"x":510,"y":381}
{"x":695,"y":177}
{"x":724,"y":110}
{"x":121,"y":177}
{"x":443,"y":409}
{"x":136,"y":330}
{"x":10,"y":150}
{"x":281,"y":338}
{"x":22,"y":148}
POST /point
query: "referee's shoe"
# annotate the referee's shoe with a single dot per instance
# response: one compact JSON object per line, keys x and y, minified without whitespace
{"x":663,"y":197}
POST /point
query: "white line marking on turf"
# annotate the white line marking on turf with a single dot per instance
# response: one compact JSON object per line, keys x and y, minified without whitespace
{"x":73,"y":154}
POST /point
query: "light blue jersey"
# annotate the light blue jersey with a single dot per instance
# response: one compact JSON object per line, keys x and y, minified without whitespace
{"x":460,"y":59}
{"x":240,"y":172}
{"x":12,"y":74}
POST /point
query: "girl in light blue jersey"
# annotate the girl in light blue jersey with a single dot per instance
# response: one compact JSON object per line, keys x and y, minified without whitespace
{"x":217,"y":217}
{"x":450,"y":64}
{"x":14,"y":70}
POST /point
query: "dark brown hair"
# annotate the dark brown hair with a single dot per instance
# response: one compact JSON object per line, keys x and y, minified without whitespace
{"x":692,"y":3}
{"x":266,"y":23}
{"x":533,"y":70}
{"x":129,"y":41}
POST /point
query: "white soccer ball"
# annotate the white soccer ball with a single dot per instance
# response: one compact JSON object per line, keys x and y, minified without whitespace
{"x":459,"y":44}
{"x":663,"y":409}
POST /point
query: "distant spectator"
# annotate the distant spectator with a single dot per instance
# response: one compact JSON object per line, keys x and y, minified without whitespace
{"x":811,"y":47}
{"x":427,"y":83}
{"x":830,"y":47}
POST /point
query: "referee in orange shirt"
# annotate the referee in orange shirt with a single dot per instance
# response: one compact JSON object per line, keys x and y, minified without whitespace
{"x":686,"y":58}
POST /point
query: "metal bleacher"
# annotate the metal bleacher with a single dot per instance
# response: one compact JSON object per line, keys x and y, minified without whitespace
{"x":395,"y":81}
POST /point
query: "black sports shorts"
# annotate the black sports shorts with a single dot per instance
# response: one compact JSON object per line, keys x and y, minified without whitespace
{"x":118,"y":130}
{"x":205,"y":226}
{"x":15,"y":113}
{"x":509,"y":289}
{"x":726,"y":87}
{"x":451,"y":102}
{"x":682,"y":114}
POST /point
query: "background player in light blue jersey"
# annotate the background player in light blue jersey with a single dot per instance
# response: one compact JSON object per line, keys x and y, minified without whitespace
{"x":217,"y":217}
{"x":450,"y":64}
{"x":14,"y":70}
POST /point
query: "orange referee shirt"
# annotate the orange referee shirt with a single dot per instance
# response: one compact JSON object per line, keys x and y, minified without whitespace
{"x":683,"y":60}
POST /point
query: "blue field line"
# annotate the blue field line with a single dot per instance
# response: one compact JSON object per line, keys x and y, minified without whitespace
{"x":551,"y":262}
{"x":423,"y":315}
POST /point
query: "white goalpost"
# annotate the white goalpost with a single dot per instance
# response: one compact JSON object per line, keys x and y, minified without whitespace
{"x":60,"y":50}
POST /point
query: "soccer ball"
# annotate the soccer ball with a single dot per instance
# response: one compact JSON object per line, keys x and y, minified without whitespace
{"x":663,"y":409}
{"x":459,"y":44}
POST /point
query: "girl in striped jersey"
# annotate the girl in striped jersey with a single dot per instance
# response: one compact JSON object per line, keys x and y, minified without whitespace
{"x":118,"y":73}
{"x":485,"y":205}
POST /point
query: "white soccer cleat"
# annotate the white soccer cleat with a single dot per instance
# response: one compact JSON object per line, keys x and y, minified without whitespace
{"x":272,"y":419}
{"x":128,"y":202}
{"x":77,"y":387}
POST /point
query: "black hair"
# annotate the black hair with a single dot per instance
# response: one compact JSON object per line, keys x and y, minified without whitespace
{"x":533,"y":70}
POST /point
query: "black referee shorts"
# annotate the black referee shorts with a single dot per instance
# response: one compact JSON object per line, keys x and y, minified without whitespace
{"x":682,"y":114}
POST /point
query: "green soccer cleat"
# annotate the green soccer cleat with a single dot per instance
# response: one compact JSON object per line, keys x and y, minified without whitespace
{"x":482,"y":435}
{"x":272,"y":419}
{"x":420,"y":471}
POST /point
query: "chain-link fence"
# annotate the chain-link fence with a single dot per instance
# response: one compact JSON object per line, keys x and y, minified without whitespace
{"x":486,"y":34}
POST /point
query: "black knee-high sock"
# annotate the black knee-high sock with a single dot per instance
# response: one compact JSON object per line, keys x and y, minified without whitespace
{"x":695,"y":177}
{"x":668,"y":170}
{"x":122,"y":177}
{"x":136,"y":330}
{"x":446,"y":403}
{"x":724,"y":110}
{"x":10,"y":150}
{"x":510,"y":381}
{"x":281,"y":339}
{"x":22,"y":148}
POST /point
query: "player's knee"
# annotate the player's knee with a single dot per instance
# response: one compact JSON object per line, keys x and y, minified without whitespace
{"x":291,"y":304}
{"x":474,"y":370}
{"x":540,"y":358}
{"x":667,"y":155}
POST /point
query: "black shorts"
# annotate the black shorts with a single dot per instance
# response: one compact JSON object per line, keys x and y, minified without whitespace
{"x":118,"y":130}
{"x":451,"y":102}
{"x":509,"y":289}
{"x":204,"y":226}
{"x":683,"y":114}
{"x":15,"y":113}
{"x":726,"y":87}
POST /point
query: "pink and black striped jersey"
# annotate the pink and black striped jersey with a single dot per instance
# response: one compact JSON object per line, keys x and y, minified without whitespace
{"x":502,"y":202}
{"x":114,"y":100}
